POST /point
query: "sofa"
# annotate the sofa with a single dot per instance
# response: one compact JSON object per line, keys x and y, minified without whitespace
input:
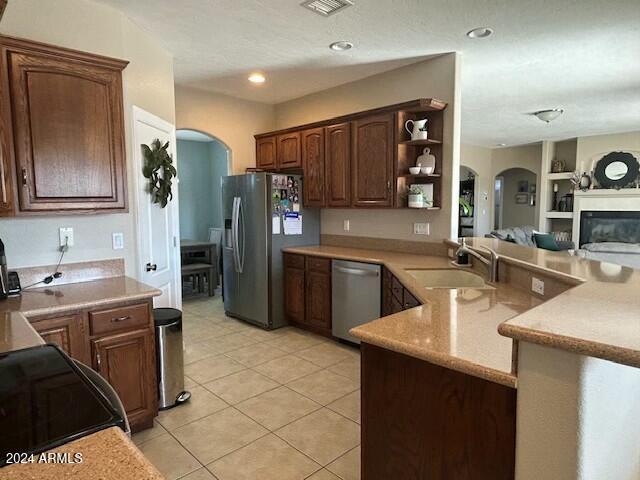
{"x":524,"y":236}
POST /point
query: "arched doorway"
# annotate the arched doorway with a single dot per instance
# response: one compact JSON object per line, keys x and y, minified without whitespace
{"x":467,"y":215}
{"x":203,"y":161}
{"x":514,"y":201}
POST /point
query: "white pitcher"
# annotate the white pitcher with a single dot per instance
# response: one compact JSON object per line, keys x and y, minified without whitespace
{"x":418,"y":130}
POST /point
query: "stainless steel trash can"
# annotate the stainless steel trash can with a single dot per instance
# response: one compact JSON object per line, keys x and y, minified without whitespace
{"x":170,"y":363}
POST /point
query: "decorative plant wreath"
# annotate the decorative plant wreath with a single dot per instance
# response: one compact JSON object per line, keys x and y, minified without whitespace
{"x":159,"y":169}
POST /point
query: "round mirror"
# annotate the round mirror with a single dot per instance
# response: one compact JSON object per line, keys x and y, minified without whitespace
{"x":616,"y":170}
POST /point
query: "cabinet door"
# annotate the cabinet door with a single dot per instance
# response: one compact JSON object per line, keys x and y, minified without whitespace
{"x":372,"y":162}
{"x":338,"y":165}
{"x":313,"y":161}
{"x":266,"y":153}
{"x":288,"y":151}
{"x":6,"y":172}
{"x":387,"y":295}
{"x":294,"y":287}
{"x":68,"y":128}
{"x":67,"y":332}
{"x":318,"y":294}
{"x":127,"y":362}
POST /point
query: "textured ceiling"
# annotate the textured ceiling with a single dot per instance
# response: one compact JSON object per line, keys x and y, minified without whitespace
{"x":580,"y":55}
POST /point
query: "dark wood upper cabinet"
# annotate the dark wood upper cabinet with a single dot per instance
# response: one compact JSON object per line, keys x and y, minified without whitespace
{"x":288,"y":151}
{"x":372,"y":161}
{"x":6,"y":176}
{"x":266,"y":153}
{"x":313,"y":164}
{"x":67,"y":125}
{"x":338,"y":165}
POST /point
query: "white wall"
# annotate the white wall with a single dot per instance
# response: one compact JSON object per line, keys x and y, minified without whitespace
{"x":231,"y":120}
{"x":478,"y":159}
{"x":438,"y":78}
{"x":591,"y":149}
{"x":147,"y":82}
{"x":578,"y":418}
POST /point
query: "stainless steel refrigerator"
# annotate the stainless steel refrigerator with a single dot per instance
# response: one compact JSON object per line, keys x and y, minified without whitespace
{"x":255,"y":209}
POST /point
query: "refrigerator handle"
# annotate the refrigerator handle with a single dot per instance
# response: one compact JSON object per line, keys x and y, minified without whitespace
{"x":234,"y":233}
{"x":241,"y":251}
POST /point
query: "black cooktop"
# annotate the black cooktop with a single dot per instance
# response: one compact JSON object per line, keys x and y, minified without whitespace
{"x":46,"y":401}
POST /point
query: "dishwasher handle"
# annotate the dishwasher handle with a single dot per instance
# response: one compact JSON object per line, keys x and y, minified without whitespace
{"x":357,"y":271}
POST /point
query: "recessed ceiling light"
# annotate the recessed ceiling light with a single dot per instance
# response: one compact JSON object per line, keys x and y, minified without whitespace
{"x":341,"y":46}
{"x":549,"y":115}
{"x":501,"y":144}
{"x":480,"y":32}
{"x":257,"y":78}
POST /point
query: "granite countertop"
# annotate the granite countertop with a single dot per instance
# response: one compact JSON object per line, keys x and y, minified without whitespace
{"x":454,"y":328}
{"x":62,"y":298}
{"x":106,"y":455}
{"x":17,"y":333}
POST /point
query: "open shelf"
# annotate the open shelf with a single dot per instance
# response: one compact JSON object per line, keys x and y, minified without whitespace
{"x":420,"y":175}
{"x":421,"y":143}
{"x":560,"y":176}
{"x":425,"y":208}
{"x":554,"y":214}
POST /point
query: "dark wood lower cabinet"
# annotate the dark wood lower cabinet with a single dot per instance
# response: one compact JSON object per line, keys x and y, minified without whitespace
{"x":125,"y":361}
{"x":119,"y":343}
{"x":425,"y":422}
{"x":395,"y":298}
{"x":307,"y":292}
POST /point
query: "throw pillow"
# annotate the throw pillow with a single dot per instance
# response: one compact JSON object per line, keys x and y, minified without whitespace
{"x":546,"y":241}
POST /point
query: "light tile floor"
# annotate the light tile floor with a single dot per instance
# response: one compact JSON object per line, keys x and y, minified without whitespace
{"x":282,"y":405}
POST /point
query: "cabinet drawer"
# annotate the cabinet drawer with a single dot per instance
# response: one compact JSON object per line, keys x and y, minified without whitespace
{"x":119,"y":318}
{"x":397,"y":288}
{"x":318,"y":264}
{"x":293,"y":260}
{"x":409,"y":301}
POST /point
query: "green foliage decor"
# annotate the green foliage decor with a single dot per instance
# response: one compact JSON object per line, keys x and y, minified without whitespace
{"x":159,"y":169}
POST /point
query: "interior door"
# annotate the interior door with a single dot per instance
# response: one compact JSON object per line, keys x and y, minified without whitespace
{"x":157,"y":228}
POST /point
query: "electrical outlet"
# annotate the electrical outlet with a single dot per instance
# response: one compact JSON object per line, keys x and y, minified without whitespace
{"x":117,"y":240}
{"x":346,"y":225}
{"x":537,"y":286}
{"x":421,"y":229}
{"x":66,"y":236}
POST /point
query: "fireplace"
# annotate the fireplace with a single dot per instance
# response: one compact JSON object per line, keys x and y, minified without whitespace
{"x":603,"y":226}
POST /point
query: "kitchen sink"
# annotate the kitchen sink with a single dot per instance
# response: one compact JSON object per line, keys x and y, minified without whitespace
{"x":448,"y":278}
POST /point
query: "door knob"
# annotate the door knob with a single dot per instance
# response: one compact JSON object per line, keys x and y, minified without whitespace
{"x":151,"y":267}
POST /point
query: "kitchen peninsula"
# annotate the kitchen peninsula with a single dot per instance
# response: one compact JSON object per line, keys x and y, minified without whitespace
{"x":446,"y":388}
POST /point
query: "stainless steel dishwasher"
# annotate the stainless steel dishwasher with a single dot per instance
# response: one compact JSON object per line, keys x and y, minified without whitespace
{"x":355,"y":296}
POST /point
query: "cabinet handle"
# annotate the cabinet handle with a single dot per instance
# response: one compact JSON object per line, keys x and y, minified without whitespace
{"x":151,"y":267}
{"x":99,"y":361}
{"x":389,"y":185}
{"x":121,"y":319}
{"x":24,"y":176}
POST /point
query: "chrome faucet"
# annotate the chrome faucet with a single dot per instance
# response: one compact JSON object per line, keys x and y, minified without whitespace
{"x":491,"y":264}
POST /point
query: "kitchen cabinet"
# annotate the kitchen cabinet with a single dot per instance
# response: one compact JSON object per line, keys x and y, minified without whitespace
{"x":118,"y":341}
{"x":372,"y":161}
{"x":294,"y":287}
{"x":444,"y":424}
{"x":313,"y":164}
{"x":266,"y":153}
{"x":395,"y":297}
{"x":6,"y":174}
{"x":67,"y":332}
{"x":288,"y":150}
{"x":64,"y":111}
{"x":126,"y":361}
{"x":307,"y":292}
{"x":338,"y":165}
{"x":318,"y":293}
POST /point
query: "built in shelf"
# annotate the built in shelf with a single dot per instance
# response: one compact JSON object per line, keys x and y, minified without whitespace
{"x":554,"y":214}
{"x":419,"y":143}
{"x":425,"y":208}
{"x":560,"y":176}
{"x":420,"y":175}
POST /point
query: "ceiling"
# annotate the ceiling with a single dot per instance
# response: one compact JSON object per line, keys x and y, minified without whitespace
{"x":580,"y":55}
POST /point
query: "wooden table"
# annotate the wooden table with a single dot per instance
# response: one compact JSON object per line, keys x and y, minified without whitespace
{"x":200,"y":262}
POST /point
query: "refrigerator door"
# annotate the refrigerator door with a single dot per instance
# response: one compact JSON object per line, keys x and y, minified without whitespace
{"x":249,"y":253}
{"x":230,"y":194}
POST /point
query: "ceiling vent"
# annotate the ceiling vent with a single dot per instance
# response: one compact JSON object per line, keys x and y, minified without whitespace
{"x":326,"y":7}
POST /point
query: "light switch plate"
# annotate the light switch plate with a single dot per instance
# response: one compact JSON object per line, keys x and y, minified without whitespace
{"x":346,"y":225}
{"x":117,"y":241}
{"x":421,"y":229}
{"x":537,"y":286}
{"x":66,"y":236}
